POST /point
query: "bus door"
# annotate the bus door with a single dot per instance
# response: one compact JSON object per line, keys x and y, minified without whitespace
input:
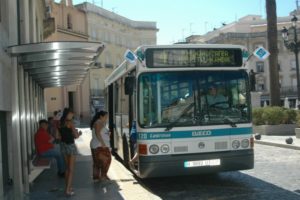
{"x":117,"y":118}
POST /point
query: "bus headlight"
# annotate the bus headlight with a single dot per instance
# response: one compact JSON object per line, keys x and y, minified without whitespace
{"x":154,"y":149}
{"x":165,"y":148}
{"x":236,"y":144}
{"x":245,"y":143}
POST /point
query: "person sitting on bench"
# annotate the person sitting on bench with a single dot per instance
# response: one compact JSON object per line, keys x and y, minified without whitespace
{"x":45,"y":148}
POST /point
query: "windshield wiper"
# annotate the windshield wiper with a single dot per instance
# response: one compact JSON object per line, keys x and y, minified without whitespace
{"x":172,"y":124}
{"x":231,"y":123}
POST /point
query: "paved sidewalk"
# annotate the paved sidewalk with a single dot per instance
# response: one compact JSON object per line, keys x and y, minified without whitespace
{"x":279,"y":141}
{"x":123,"y":185}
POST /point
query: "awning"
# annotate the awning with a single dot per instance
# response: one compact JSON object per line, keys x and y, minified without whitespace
{"x":56,"y":64}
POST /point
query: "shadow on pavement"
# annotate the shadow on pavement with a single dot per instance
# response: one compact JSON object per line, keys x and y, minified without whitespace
{"x":222,"y":186}
{"x":49,"y":186}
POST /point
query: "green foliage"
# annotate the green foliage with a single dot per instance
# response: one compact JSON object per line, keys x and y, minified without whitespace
{"x":292,"y":116}
{"x":298,"y":118}
{"x":257,"y":116}
{"x":274,"y":116}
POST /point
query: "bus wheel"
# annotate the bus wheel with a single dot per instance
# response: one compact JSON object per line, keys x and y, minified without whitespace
{"x":125,"y":151}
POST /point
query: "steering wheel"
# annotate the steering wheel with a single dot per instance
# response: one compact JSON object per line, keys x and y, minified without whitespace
{"x":217,"y":105}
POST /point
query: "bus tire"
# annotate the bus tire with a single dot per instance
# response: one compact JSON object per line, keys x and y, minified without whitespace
{"x":125,"y":152}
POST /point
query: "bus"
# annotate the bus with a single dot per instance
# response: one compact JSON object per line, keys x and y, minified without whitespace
{"x":163,"y":96}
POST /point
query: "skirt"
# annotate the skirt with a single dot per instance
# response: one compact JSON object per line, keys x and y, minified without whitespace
{"x":68,"y":149}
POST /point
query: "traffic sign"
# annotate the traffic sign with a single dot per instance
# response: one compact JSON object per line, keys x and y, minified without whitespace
{"x":261,"y":53}
{"x":130,"y":56}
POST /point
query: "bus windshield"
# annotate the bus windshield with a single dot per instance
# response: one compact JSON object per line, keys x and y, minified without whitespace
{"x":192,"y":98}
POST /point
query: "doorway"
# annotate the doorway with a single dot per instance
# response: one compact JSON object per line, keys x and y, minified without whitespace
{"x":4,"y":152}
{"x":71,"y":96}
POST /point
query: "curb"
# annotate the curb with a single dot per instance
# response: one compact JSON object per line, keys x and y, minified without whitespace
{"x":287,"y":146}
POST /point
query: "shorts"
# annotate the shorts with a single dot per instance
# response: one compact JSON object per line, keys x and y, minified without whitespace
{"x":68,"y":149}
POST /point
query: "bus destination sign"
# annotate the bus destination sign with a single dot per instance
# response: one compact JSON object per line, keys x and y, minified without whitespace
{"x":204,"y":57}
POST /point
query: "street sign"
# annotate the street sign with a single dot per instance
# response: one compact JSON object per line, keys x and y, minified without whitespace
{"x":130,"y":56}
{"x":261,"y":53}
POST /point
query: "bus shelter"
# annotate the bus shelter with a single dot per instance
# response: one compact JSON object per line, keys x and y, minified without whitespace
{"x":56,"y":64}
{"x":35,"y":67}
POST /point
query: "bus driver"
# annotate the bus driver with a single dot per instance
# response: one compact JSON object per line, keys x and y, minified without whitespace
{"x":215,"y":99}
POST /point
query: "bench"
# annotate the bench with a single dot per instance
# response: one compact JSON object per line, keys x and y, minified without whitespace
{"x":41,"y":162}
{"x":38,"y":165}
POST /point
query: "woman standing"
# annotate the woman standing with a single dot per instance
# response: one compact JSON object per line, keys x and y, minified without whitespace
{"x":100,"y":146}
{"x":68,"y":134}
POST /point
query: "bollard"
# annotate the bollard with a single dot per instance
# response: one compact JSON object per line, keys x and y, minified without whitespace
{"x":257,"y":136}
{"x":289,"y":140}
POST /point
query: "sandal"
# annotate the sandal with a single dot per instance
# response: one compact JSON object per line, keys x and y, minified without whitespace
{"x":131,"y":165}
{"x":70,"y":193}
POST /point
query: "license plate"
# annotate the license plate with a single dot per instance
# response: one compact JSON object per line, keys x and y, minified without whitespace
{"x":202,"y":163}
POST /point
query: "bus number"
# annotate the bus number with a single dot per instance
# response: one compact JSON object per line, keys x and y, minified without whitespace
{"x":143,"y":136}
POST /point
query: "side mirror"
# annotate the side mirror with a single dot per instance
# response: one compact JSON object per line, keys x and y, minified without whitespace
{"x":252,"y":81}
{"x":129,"y":85}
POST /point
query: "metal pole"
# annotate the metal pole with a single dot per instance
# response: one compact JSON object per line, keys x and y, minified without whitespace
{"x":297,"y":62}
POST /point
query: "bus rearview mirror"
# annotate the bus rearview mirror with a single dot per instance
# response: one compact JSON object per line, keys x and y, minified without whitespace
{"x":129,"y":85}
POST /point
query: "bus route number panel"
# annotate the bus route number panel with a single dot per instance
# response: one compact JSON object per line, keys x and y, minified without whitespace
{"x":204,"y":57}
{"x":202,"y":163}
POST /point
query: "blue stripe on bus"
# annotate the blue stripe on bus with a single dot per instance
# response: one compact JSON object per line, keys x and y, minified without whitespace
{"x":193,"y":134}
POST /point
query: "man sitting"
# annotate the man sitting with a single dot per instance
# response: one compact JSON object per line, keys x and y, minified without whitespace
{"x":45,"y":148}
{"x":214,"y":99}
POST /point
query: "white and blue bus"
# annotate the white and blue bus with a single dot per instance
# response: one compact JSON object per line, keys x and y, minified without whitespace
{"x":179,"y":132}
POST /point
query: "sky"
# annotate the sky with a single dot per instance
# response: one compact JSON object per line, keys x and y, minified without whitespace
{"x":178,"y":19}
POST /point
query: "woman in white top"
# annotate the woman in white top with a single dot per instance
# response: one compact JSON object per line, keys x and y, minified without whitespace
{"x":100,"y":146}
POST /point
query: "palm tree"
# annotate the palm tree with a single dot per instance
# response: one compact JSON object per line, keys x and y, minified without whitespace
{"x":273,"y":49}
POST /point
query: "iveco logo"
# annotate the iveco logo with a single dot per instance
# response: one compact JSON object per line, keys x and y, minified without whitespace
{"x":201,"y":145}
{"x":201,"y":133}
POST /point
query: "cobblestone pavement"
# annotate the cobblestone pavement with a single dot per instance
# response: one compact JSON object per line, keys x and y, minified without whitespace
{"x":276,"y":176}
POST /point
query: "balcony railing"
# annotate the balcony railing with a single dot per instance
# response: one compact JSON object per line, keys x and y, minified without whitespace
{"x":285,"y":91}
{"x":288,"y":91}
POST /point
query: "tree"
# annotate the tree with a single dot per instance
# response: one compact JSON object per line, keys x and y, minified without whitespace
{"x":273,"y":49}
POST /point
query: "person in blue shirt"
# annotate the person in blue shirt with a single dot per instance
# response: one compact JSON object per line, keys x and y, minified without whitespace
{"x":215,"y":99}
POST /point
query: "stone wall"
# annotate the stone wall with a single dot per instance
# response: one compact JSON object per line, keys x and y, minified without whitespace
{"x":282,"y":129}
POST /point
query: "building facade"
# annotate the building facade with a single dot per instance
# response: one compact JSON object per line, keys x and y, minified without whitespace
{"x":251,"y":32}
{"x":68,"y":24}
{"x":28,"y":66}
{"x":119,"y":34}
{"x":89,"y":22}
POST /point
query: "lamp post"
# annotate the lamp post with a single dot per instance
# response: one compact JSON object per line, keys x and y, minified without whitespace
{"x":293,"y":46}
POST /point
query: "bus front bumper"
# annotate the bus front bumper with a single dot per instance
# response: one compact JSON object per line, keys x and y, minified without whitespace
{"x":174,"y":165}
